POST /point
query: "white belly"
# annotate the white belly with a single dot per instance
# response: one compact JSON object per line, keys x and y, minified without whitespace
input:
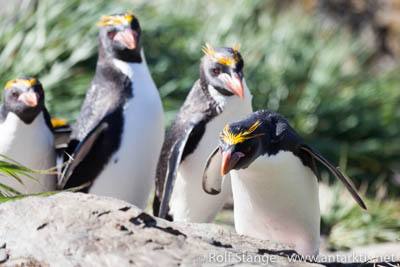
{"x":32,"y":145}
{"x":276,"y":199}
{"x":189,"y":202}
{"x":130,"y":172}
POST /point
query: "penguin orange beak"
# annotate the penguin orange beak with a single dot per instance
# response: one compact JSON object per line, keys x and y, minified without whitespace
{"x":127,"y":37}
{"x":233,"y":82}
{"x":30,"y":98}
{"x":229,"y":161}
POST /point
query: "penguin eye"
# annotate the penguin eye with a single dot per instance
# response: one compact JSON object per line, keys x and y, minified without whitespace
{"x":247,"y":150}
{"x":15,"y":94}
{"x":216,"y":71}
{"x":111,"y":34}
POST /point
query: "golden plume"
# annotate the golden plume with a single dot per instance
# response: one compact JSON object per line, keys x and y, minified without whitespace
{"x":208,"y":50}
{"x":116,"y":19}
{"x":230,"y":138}
{"x":22,"y":82}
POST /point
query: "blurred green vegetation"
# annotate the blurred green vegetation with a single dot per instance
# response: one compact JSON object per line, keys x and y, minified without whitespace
{"x":320,"y":76}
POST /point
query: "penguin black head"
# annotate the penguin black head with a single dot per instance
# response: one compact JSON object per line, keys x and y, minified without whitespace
{"x":241,"y":143}
{"x":261,"y":132}
{"x":25,"y":97}
{"x":222,"y":68}
{"x":119,"y":37}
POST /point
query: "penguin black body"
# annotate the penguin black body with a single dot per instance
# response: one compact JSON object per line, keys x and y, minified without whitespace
{"x":274,"y":180}
{"x":219,"y":96}
{"x":122,"y":99}
{"x":26,"y":132}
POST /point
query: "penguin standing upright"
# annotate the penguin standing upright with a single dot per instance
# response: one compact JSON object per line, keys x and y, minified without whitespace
{"x":218,"y":97}
{"x":26,"y":134}
{"x":274,"y":184}
{"x":118,"y":135}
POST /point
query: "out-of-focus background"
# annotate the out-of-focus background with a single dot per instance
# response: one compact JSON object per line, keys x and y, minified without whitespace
{"x":332,"y":67}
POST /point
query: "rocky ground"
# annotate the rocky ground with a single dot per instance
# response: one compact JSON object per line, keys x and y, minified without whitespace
{"x":85,"y":230}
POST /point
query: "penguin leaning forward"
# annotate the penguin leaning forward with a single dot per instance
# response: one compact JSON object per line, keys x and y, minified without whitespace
{"x":218,"y":97}
{"x":274,"y":184}
{"x":26,"y":134}
{"x":117,"y":138}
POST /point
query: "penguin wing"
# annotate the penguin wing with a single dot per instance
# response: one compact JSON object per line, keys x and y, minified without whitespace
{"x":61,"y":137}
{"x":212,"y":179}
{"x":82,"y":149}
{"x":315,"y":154}
{"x":165,"y":186}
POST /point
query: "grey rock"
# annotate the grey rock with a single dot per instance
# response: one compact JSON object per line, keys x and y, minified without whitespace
{"x":74,"y":229}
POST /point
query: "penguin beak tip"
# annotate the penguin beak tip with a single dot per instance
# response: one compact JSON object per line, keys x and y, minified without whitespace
{"x":229,"y":161}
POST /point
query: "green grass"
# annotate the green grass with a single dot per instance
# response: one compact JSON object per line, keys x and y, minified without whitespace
{"x":321,"y":77}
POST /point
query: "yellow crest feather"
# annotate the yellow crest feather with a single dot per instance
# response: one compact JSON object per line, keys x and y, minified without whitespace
{"x":236,"y":48}
{"x":225,"y":61}
{"x":230,"y":138}
{"x":22,"y":82}
{"x":116,"y":19}
{"x":236,"y":56}
{"x":209,"y":50}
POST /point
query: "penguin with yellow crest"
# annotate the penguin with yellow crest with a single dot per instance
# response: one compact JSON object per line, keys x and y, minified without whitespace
{"x":27,"y":134}
{"x":117,"y":138}
{"x":218,"y":97}
{"x":274,"y":180}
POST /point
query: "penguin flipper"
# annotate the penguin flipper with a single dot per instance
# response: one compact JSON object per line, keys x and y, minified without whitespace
{"x":61,"y":137}
{"x":212,"y":179}
{"x":315,"y":154}
{"x":80,"y":152}
{"x":172,"y":170}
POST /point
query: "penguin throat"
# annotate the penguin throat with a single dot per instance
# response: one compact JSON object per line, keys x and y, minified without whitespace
{"x":219,"y":98}
{"x":27,"y":115}
{"x":108,"y":54}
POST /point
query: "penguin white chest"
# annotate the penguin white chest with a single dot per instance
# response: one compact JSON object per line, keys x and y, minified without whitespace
{"x":189,"y":202}
{"x":130,"y":172}
{"x":276,"y":198}
{"x":32,"y":145}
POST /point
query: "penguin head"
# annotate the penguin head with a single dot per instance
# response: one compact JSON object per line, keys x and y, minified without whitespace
{"x":119,"y":37}
{"x":240,"y":144}
{"x":222,"y":68}
{"x":25,"y":97}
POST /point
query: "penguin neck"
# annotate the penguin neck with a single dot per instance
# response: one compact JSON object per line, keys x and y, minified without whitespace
{"x":224,"y":102}
{"x":130,"y":56}
{"x":27,"y":117}
{"x":130,"y":69}
{"x":116,"y":74}
{"x":14,"y":123}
